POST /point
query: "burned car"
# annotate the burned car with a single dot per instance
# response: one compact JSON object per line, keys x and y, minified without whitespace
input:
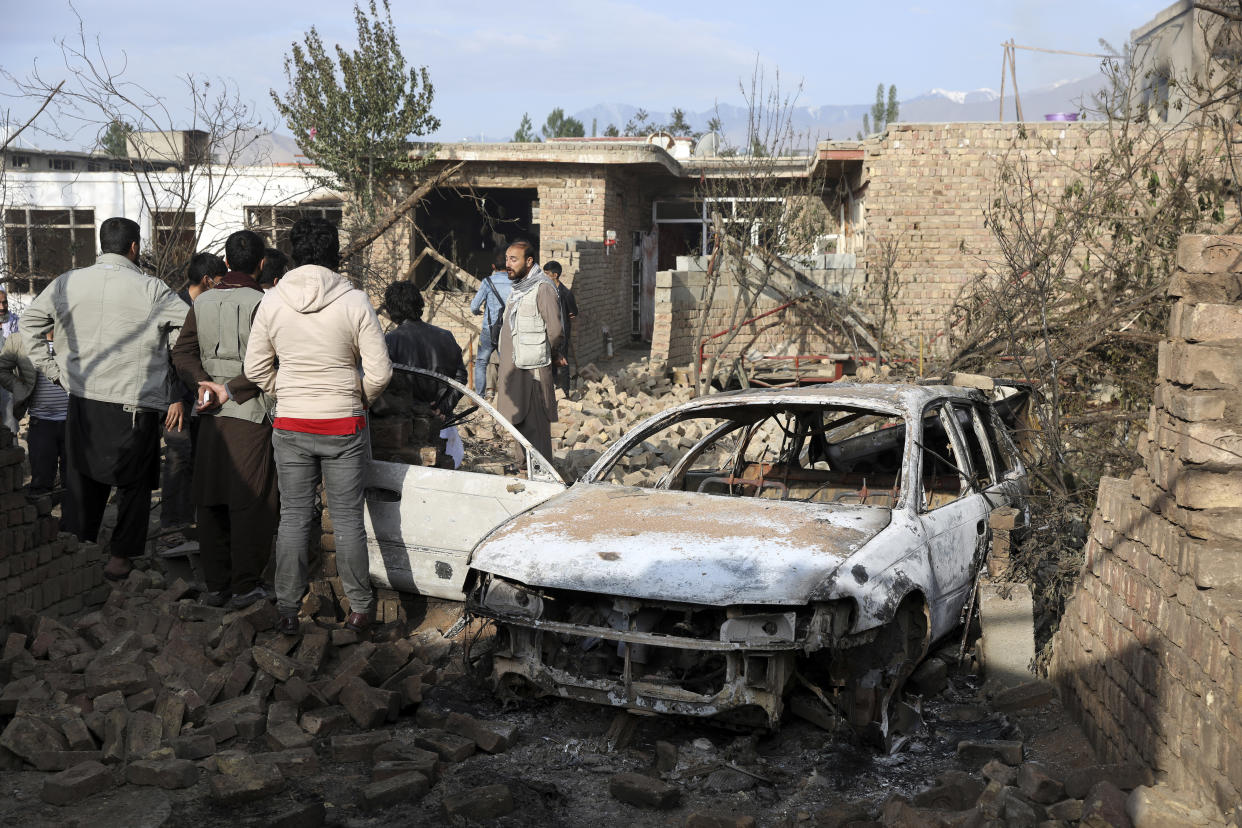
{"x":821,"y":537}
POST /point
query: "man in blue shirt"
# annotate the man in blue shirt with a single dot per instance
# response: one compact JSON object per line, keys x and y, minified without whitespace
{"x":488,"y":303}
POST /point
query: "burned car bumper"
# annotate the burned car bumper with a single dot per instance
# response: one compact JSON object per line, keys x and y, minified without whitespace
{"x":731,"y":663}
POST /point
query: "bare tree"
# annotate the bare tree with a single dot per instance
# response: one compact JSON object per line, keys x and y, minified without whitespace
{"x":184,"y":154}
{"x":766,"y":215}
{"x":1075,"y":303}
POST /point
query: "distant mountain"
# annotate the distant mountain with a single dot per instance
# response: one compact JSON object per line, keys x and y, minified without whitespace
{"x":844,"y":121}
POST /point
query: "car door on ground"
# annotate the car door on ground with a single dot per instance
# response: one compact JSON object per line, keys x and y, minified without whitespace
{"x":423,"y":521}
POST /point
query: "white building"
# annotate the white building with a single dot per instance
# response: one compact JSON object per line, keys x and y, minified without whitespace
{"x":54,"y":202}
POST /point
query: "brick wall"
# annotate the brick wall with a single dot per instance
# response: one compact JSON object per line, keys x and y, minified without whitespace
{"x":928,"y":185}
{"x":41,"y":569}
{"x":578,"y":204}
{"x":1149,"y":653}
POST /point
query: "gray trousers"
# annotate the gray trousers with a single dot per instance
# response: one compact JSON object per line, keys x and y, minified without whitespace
{"x":301,"y":461}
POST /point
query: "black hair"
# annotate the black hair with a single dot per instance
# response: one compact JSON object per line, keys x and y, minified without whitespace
{"x":552,"y":267}
{"x":117,"y":235}
{"x":402,"y":301}
{"x":498,"y":261}
{"x":315,"y":242}
{"x":243,"y":251}
{"x":530,"y":251}
{"x":203,"y":265}
{"x":275,"y":265}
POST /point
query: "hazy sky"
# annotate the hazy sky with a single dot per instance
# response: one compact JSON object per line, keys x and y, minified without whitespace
{"x":492,"y":61}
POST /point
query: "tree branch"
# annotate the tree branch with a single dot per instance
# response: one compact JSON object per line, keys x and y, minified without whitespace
{"x":376,"y":230}
{"x":13,"y":137}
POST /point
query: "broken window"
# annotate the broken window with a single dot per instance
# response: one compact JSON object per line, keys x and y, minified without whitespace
{"x":808,"y":453}
{"x":43,"y":243}
{"x":173,"y":234}
{"x":943,"y":475}
{"x":273,"y":223}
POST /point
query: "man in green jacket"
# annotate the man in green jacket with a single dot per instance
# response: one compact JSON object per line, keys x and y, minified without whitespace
{"x":113,"y":325}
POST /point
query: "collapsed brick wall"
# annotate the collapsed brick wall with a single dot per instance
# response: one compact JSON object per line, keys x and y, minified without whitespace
{"x":1148,"y":653}
{"x":42,"y":569}
{"x":800,"y":329}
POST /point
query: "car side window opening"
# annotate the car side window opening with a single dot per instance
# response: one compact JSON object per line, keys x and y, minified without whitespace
{"x":1003,"y":449}
{"x":972,"y":429}
{"x":943,"y":471}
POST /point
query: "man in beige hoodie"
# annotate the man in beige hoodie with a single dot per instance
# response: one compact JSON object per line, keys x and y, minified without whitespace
{"x":309,"y":336}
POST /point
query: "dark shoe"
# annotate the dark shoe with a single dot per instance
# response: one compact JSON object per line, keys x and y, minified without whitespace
{"x":117,"y":572}
{"x":259,"y":593}
{"x":359,"y":622}
{"x":288,"y":625}
{"x":216,"y":599}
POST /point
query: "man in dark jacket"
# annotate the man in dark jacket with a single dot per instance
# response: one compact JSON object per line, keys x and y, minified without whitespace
{"x":234,"y":483}
{"x":419,"y":345}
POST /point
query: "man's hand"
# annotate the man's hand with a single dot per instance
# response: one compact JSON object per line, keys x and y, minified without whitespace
{"x":211,"y":395}
{"x":560,"y":360}
{"x":175,"y":416}
{"x":478,"y":312}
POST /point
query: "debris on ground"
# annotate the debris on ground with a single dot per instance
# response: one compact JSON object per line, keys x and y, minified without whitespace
{"x":158,"y":706}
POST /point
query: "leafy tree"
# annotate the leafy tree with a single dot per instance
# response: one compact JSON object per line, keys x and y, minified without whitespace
{"x":594,"y":124}
{"x":713,"y":125}
{"x":890,"y":111}
{"x":878,"y":109}
{"x":526,"y":131}
{"x":113,"y":141}
{"x":866,"y":130}
{"x":611,"y":131}
{"x":354,"y":116}
{"x":678,"y":125}
{"x":640,"y":124}
{"x":559,"y":126}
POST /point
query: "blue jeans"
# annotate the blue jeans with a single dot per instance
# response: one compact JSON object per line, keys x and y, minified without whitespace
{"x":301,"y":461}
{"x":481,"y":358}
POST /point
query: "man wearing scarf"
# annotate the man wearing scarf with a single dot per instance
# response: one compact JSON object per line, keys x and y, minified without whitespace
{"x":531,"y":336}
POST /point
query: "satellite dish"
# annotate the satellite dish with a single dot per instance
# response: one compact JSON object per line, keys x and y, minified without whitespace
{"x":708,"y":145}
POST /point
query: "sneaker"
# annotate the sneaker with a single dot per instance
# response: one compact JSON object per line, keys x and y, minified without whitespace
{"x":259,"y":593}
{"x":216,"y":599}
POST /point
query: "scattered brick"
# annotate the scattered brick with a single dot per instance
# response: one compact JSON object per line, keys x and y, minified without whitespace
{"x":395,"y":789}
{"x":245,"y":781}
{"x":356,"y":747}
{"x":644,"y":791}
{"x":77,"y":783}
{"x":325,"y":720}
{"x":162,"y":773}
{"x":448,"y":746}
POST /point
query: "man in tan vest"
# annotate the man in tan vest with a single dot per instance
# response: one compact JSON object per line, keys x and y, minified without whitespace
{"x":234,"y":484}
{"x":530,"y":340}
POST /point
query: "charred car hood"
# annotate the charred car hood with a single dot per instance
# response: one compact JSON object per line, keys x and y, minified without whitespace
{"x":678,"y":546}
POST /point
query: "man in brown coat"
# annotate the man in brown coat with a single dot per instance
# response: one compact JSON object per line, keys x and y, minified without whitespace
{"x":525,"y":394}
